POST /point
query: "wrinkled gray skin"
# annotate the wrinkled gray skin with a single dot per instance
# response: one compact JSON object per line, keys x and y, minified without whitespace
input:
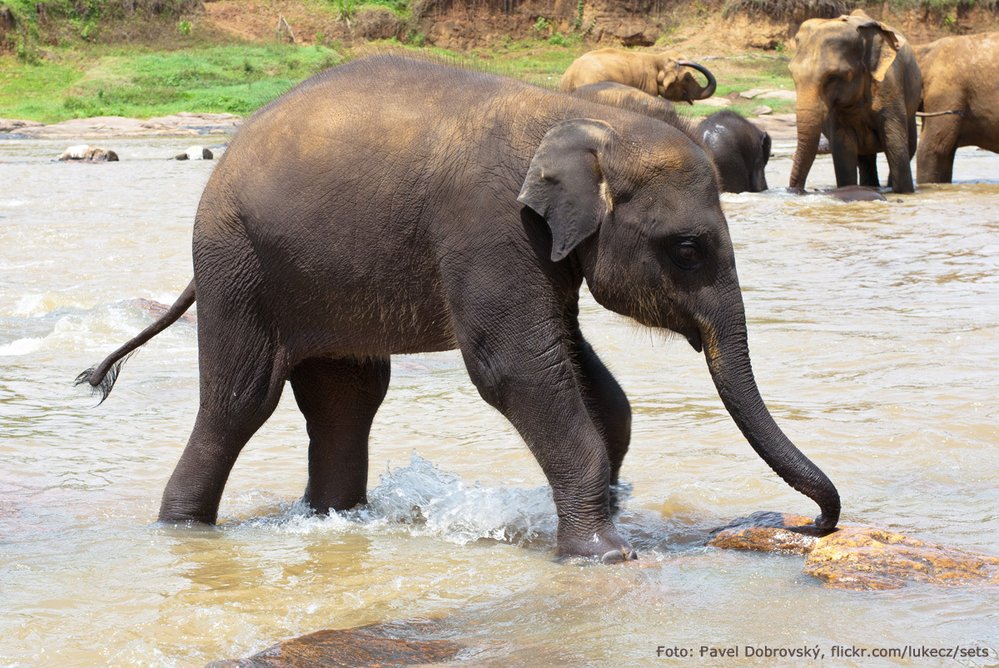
{"x":857,"y":81}
{"x":738,"y":149}
{"x":465,"y":214}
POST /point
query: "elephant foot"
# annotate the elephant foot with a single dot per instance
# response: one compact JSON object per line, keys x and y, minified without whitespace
{"x":606,"y":545}
{"x":331,"y":506}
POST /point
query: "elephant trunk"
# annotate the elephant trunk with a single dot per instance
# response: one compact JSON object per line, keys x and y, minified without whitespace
{"x":809,"y":122}
{"x":709,"y":88}
{"x":727,"y":353}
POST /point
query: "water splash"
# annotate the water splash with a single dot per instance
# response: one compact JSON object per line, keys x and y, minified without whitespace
{"x":423,"y":500}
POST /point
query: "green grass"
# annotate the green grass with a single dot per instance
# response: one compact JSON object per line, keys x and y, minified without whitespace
{"x":103,"y":82}
{"x":141,"y":83}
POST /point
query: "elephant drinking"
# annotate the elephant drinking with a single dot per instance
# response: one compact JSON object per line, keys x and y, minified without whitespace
{"x":465,"y":214}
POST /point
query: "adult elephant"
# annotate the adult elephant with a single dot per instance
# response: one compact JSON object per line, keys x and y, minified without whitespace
{"x":739,"y":150}
{"x":856,"y":80}
{"x":465,"y":214}
{"x":657,"y":74}
{"x":960,"y":101}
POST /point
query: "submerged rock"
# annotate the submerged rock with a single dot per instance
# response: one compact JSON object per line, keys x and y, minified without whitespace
{"x":858,"y":557}
{"x":390,"y":644}
{"x":158,"y":309}
{"x":855,"y":194}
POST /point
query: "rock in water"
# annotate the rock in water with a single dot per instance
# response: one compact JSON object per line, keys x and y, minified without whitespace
{"x":88,"y":153}
{"x":858,"y":557}
{"x":390,"y":644}
{"x":869,"y":558}
{"x":768,"y":532}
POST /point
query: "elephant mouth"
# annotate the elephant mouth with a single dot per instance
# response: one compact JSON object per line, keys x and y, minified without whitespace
{"x":694,"y":339}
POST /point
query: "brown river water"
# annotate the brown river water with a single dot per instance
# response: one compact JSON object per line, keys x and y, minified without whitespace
{"x":874,"y":329}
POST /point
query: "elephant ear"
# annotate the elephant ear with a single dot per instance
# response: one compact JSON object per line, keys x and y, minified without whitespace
{"x":881,"y":53}
{"x":565,"y":184}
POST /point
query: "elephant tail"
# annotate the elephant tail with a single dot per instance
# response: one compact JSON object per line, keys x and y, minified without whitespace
{"x":102,"y":377}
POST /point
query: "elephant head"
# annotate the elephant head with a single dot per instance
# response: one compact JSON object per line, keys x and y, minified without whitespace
{"x":654,"y":73}
{"x":644,"y":220}
{"x":677,"y":83}
{"x":838,"y":67}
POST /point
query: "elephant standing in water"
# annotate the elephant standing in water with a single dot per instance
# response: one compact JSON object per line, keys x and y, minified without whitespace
{"x":465,"y":214}
{"x":738,"y":149}
{"x":657,"y":74}
{"x":857,"y":81}
{"x":960,"y":101}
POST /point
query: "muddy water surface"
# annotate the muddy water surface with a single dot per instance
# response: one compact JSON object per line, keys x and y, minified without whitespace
{"x":875,"y":337}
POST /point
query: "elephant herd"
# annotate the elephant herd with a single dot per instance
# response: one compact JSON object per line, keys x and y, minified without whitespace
{"x":858,"y":82}
{"x":862,"y":84}
{"x":466,"y":213}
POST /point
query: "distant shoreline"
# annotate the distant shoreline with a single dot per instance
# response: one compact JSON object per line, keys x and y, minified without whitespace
{"x":780,"y":126}
{"x":104,"y":127}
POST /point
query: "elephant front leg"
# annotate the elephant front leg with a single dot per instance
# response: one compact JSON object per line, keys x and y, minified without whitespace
{"x":896,"y":140}
{"x":845,"y":160}
{"x":339,"y":399}
{"x":526,"y":373}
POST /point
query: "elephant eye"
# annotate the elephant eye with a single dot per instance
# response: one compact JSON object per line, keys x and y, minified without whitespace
{"x":686,"y":254}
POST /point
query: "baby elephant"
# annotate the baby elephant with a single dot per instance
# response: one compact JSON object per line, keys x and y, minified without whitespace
{"x":739,"y":149}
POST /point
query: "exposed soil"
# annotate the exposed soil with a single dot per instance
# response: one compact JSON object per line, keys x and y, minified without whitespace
{"x":695,"y":30}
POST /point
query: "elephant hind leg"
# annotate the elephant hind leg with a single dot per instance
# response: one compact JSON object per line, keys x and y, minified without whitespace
{"x":339,"y":399}
{"x":606,"y":403}
{"x":868,"y":166}
{"x":937,"y":147}
{"x":242,"y":375}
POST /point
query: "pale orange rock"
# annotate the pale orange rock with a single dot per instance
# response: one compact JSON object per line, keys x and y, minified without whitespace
{"x":869,"y":558}
{"x":858,"y":557}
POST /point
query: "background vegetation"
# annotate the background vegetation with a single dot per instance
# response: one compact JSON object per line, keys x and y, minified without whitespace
{"x":63,"y":59}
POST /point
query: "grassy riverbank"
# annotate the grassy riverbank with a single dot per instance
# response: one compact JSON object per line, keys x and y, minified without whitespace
{"x":238,"y":78}
{"x":141,"y":83}
{"x":141,"y":58}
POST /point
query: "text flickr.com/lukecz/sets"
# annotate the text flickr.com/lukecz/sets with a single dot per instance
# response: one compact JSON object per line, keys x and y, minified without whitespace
{"x":817,"y":652}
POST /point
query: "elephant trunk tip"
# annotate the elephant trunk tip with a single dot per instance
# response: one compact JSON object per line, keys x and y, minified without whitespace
{"x":709,"y":87}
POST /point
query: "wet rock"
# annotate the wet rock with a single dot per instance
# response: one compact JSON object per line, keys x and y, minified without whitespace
{"x":195,"y":153}
{"x":855,"y":194}
{"x":869,"y":558}
{"x":858,"y":557}
{"x":390,"y":644}
{"x":768,"y":532}
{"x":88,"y":153}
